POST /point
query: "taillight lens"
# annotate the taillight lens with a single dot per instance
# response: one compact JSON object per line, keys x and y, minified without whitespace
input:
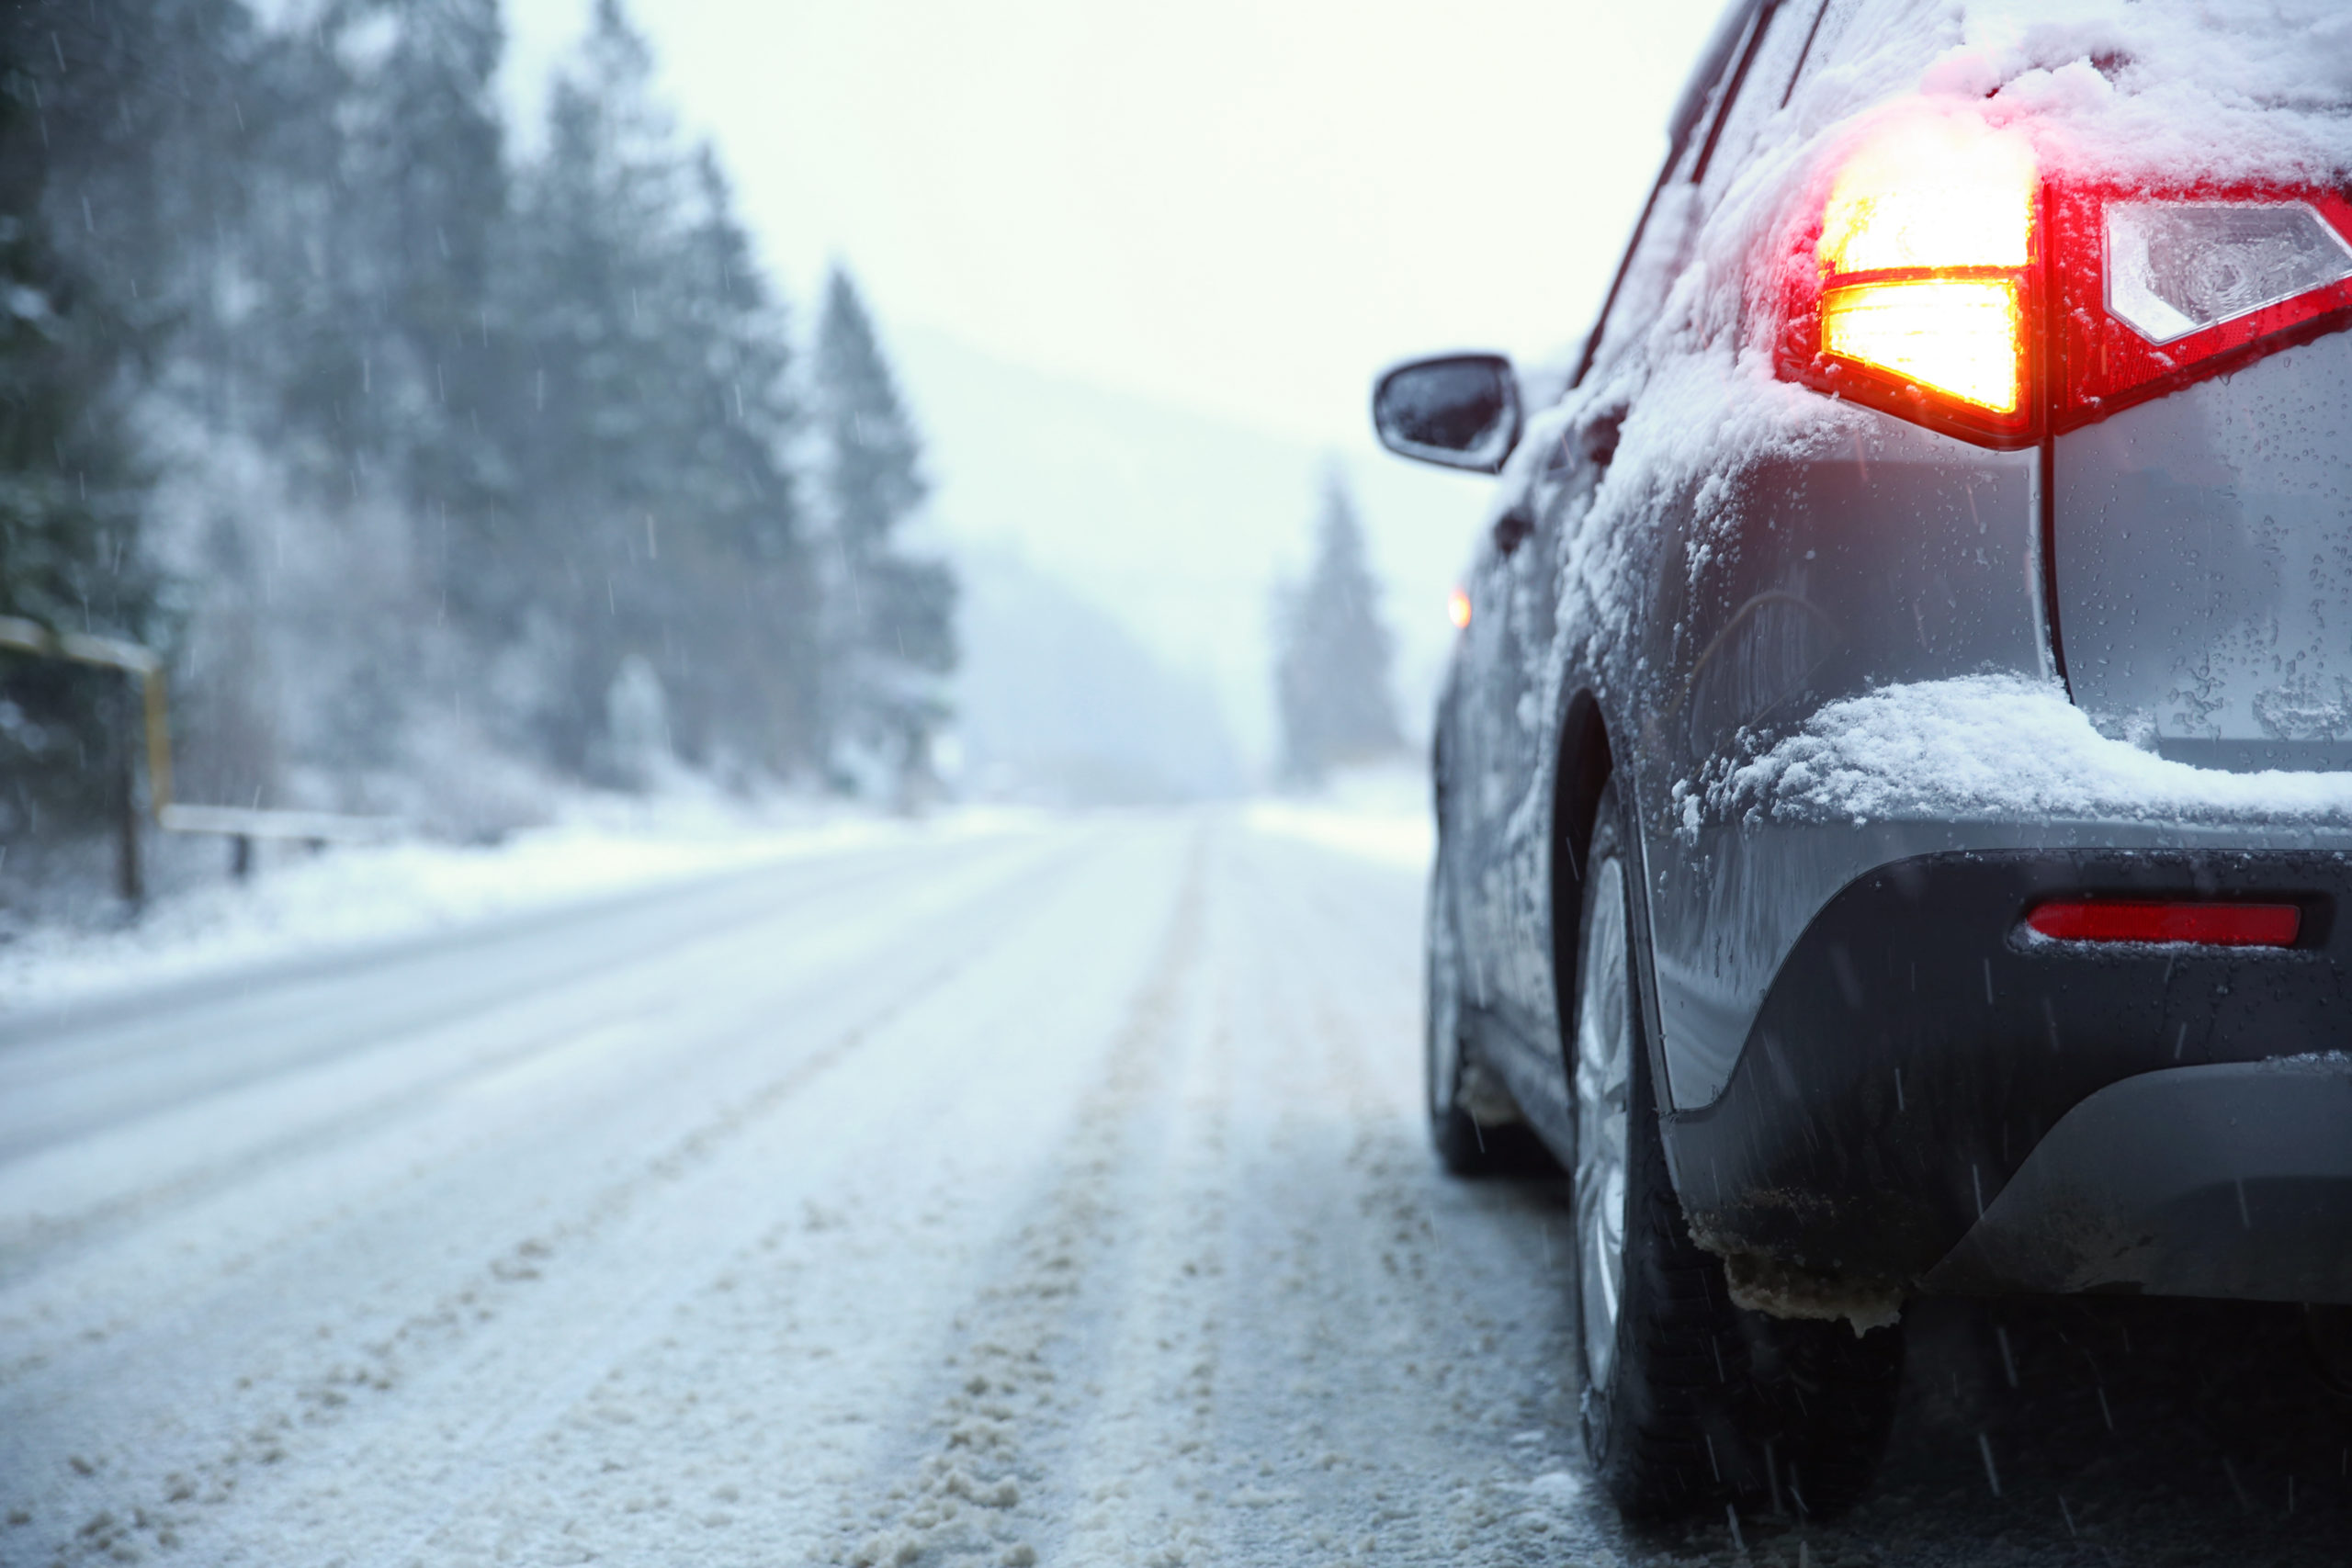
{"x":2156,"y":290}
{"x":1950,"y":281}
{"x":1955,"y":336}
{"x":1918,"y":291}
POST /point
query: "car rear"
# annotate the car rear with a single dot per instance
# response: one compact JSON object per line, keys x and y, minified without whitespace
{"x":1999,"y":799}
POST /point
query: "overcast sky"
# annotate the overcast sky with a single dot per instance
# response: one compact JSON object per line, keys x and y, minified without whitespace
{"x":1243,"y":208}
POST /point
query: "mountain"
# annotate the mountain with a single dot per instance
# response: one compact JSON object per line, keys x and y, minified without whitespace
{"x":1175,"y":525}
{"x":1058,"y":703}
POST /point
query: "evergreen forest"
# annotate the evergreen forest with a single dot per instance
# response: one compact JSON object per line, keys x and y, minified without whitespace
{"x":436,"y":474}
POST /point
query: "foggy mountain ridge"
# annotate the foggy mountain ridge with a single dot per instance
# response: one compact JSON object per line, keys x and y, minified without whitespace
{"x":1178,"y":523}
{"x":1058,"y":704}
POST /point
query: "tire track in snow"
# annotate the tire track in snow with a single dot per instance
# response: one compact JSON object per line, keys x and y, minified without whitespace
{"x":507,"y":1022}
{"x":249,"y":1185}
{"x":731,"y":1434}
{"x":988,"y":1489}
{"x":1395,"y":1346}
{"x":303,"y":1407}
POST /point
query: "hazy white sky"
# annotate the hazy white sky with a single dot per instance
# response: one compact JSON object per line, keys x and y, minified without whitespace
{"x":1243,"y":207}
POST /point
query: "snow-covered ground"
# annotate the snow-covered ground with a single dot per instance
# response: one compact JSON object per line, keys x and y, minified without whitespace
{"x":950,"y":1196}
{"x":1378,"y":813}
{"x":1050,"y":1196}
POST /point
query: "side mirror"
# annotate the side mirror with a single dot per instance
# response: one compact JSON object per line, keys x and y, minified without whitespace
{"x":1460,"y":411}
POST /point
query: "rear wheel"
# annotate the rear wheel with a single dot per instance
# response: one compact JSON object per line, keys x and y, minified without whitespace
{"x":1690,"y":1402}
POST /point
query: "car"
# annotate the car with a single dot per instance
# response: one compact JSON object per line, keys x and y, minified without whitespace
{"x":1893,"y":785}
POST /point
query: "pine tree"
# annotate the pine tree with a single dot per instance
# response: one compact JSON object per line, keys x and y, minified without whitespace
{"x":431,"y":164}
{"x":652,"y":433}
{"x":1333,"y":654}
{"x":71,"y":556}
{"x":890,"y":635}
{"x":589,"y":300}
{"x":375,"y":244}
{"x":746,"y":663}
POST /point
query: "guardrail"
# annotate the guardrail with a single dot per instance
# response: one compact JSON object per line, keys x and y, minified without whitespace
{"x":241,"y":825}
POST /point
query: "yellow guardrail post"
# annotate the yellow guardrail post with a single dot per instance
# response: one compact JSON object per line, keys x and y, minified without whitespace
{"x":112,"y":653}
{"x":240,"y":825}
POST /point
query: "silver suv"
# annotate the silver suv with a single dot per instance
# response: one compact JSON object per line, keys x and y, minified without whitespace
{"x":1895,"y":785}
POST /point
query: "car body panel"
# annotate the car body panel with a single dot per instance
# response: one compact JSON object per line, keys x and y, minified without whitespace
{"x":1919,"y":1042}
{"x":2204,"y":556}
{"x":2228,"y":1180}
{"x":1912,"y":558}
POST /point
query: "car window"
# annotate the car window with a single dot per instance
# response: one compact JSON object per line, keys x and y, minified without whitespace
{"x":1822,"y":33}
{"x":1661,"y":229}
{"x":1758,"y":84}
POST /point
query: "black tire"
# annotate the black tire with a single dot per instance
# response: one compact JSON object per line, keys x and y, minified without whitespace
{"x":1466,"y":1144}
{"x":1698,"y":1402}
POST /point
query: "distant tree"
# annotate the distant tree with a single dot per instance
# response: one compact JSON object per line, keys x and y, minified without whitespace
{"x":1333,"y":654}
{"x":651,"y":428}
{"x":751,"y":680}
{"x":428,"y":178}
{"x":890,"y":616}
{"x":369,"y":243}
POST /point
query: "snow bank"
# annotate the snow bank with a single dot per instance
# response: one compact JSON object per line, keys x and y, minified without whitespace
{"x":351,"y":897}
{"x":1376,"y":814}
{"x":1997,"y":748}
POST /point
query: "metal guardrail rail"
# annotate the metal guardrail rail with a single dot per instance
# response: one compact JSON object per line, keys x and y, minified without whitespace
{"x":242,"y":825}
{"x":311,"y":827}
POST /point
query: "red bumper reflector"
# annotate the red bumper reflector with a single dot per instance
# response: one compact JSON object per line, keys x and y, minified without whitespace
{"x":2209,"y":925}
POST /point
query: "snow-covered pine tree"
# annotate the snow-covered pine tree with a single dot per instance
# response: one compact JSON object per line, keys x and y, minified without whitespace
{"x":745,"y":662}
{"x":652,"y":425}
{"x":1333,"y":654}
{"x":431,"y":158}
{"x":585,"y":298}
{"x":889,"y":615}
{"x":71,"y":554}
{"x":379,"y":199}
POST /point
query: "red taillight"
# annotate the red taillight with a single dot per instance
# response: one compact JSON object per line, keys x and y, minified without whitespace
{"x":1921,"y":287}
{"x":2159,"y":290}
{"x":2207,"y":925}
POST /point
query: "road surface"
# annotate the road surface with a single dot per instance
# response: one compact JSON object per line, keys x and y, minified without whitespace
{"x":1059,"y":1197}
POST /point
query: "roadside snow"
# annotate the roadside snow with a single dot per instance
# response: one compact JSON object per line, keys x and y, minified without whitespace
{"x":1377,"y":814}
{"x":351,"y":896}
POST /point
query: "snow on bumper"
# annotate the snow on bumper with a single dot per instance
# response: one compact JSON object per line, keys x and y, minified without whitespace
{"x":1993,"y":749}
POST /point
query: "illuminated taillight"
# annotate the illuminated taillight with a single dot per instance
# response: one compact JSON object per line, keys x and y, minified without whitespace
{"x":2135,"y":920}
{"x":1953,"y":335}
{"x":1921,"y":292}
{"x":1948,"y":280}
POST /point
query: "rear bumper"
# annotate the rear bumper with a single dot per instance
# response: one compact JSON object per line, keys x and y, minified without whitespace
{"x":2226,"y":1180}
{"x":1917,"y":1051}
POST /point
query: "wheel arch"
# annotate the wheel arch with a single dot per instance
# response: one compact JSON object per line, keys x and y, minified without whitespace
{"x":1580,"y":772}
{"x":1588,"y":760}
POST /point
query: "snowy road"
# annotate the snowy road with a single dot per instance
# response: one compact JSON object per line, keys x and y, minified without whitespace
{"x":1057,"y":1197}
